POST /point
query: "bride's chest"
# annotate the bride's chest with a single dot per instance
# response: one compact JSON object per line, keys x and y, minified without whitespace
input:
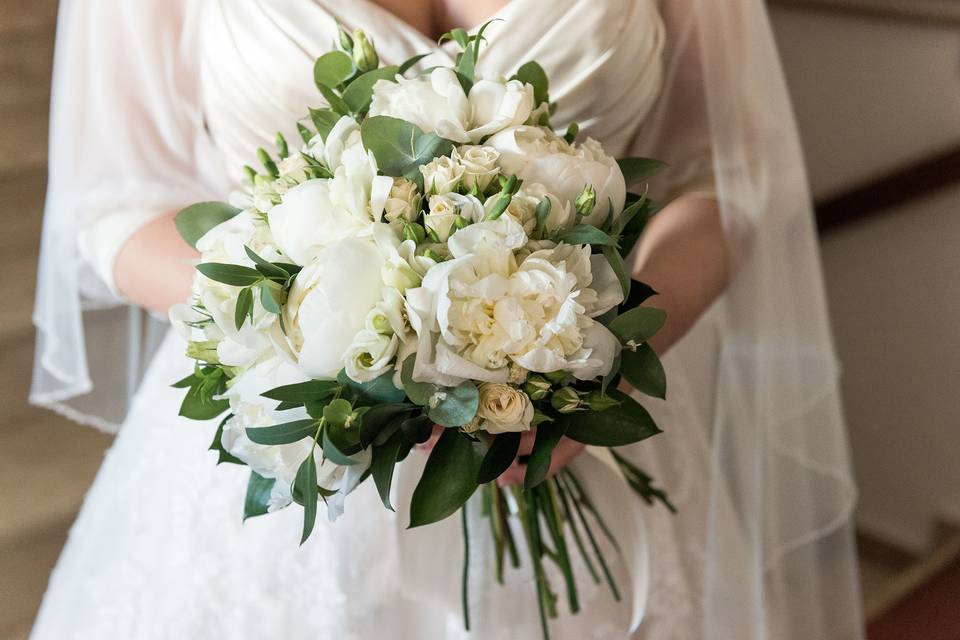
{"x":256,"y":58}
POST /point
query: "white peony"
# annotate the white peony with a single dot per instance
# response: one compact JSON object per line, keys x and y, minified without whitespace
{"x":437,"y":103}
{"x":329,"y":302}
{"x":503,"y":408}
{"x":538,"y":155}
{"x":479,"y":165}
{"x":481,"y":311}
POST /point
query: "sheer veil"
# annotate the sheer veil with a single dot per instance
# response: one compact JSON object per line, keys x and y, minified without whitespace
{"x":779,"y":555}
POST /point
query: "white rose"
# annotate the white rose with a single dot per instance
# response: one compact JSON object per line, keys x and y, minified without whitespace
{"x":441,"y":175}
{"x":479,"y":165}
{"x":503,"y":408}
{"x":451,"y":212}
{"x":403,"y":202}
{"x":538,"y":155}
{"x":329,"y":302}
{"x":438,"y":104}
{"x":371,"y":355}
{"x":402,"y":267}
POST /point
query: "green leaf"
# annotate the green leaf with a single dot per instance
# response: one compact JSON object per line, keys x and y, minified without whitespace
{"x":466,"y":68}
{"x":638,"y":324}
{"x":449,"y":479}
{"x":199,"y":404}
{"x":410,"y":62}
{"x":333,"y":454}
{"x":332,"y":69}
{"x":643,"y":369}
{"x":619,"y":268}
{"x":418,"y":392}
{"x":271,"y":298}
{"x":455,"y":406}
{"x":303,"y":391}
{"x":417,"y":429}
{"x":613,"y":376}
{"x":499,"y":457}
{"x":360,"y":92}
{"x":305,"y":486}
{"x":324,"y":120}
{"x":380,"y":390}
{"x":638,"y":169}
{"x":548,"y":437}
{"x":268,"y":269}
{"x":587,"y":234}
{"x":285,"y":433}
{"x":217,"y":445}
{"x":378,"y":417}
{"x":194,"y":221}
{"x":461,"y":37}
{"x":345,"y":439}
{"x":640,"y":292}
{"x":382,"y":463}
{"x":334,"y":101}
{"x":400,"y":147}
{"x":232,"y":274}
{"x":621,"y":425}
{"x":244,"y":307}
{"x":338,"y":412}
{"x":533,"y":74}
{"x":257,"y":502}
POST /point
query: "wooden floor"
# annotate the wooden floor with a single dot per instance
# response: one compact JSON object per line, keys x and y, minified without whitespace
{"x":47,"y":463}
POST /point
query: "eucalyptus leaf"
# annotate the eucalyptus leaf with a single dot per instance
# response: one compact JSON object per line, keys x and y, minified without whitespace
{"x":332,"y":453}
{"x":587,"y":234}
{"x":454,"y":406}
{"x":639,"y":169}
{"x":285,"y":433}
{"x":382,"y":463}
{"x":257,"y":501}
{"x":233,"y":274}
{"x":621,"y":425}
{"x":499,"y":457}
{"x":418,"y":392}
{"x":533,"y":74}
{"x":643,"y":369}
{"x":638,"y":324}
{"x":449,"y":479}
{"x":399,"y":147}
{"x":338,"y":412}
{"x":193,"y":222}
{"x":324,"y":120}
{"x":548,"y":437}
{"x":305,"y":486}
{"x":377,"y":391}
{"x":332,"y":69}
{"x":360,"y":92}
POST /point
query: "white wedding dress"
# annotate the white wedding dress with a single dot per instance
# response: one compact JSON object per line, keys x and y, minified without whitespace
{"x":180,"y":93}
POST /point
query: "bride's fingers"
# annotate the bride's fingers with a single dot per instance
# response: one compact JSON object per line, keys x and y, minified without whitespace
{"x":434,"y":436}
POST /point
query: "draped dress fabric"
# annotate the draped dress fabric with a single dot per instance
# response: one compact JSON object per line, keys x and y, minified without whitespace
{"x":180,"y":93}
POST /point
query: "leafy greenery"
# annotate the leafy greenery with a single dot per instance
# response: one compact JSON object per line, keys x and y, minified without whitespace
{"x":623,"y":424}
{"x":380,"y":390}
{"x":643,"y":369}
{"x":548,"y":437}
{"x":383,"y":461}
{"x":257,"y":501}
{"x":285,"y":433}
{"x":193,"y":222}
{"x":203,"y":385}
{"x":499,"y":457}
{"x":400,"y":147}
{"x":639,"y":169}
{"x":359,"y":92}
{"x":638,"y":324}
{"x":233,"y":274}
{"x":533,"y":74}
{"x":587,"y":234}
{"x":303,"y":391}
{"x":305,"y":488}
{"x":455,"y":406}
{"x":332,"y":69}
{"x":448,"y":480}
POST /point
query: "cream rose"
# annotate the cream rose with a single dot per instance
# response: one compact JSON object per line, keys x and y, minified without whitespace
{"x":403,"y":202}
{"x":441,"y":175}
{"x":503,"y":408}
{"x":479,"y":165}
{"x":451,"y":212}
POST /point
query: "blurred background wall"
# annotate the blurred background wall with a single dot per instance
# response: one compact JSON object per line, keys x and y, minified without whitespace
{"x":877,"y":90}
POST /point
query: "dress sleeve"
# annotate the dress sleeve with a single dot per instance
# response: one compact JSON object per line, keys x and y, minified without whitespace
{"x":125,"y":133}
{"x":125,"y":123}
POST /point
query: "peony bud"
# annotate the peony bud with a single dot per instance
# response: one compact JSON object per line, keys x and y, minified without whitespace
{"x":586,"y":201}
{"x":365,"y":56}
{"x":346,"y":42}
{"x":204,"y":351}
{"x":537,"y":387}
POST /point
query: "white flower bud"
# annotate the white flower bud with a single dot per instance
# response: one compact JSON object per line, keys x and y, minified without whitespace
{"x":442,"y":175}
{"x":404,"y":200}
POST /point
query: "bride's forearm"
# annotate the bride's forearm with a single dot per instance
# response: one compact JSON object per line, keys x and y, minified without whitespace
{"x":154,"y":268}
{"x":684,"y":255}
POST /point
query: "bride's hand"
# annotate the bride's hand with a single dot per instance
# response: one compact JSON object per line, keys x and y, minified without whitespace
{"x":563,"y":454}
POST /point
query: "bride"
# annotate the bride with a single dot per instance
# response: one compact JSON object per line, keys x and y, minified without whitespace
{"x":158,"y":104}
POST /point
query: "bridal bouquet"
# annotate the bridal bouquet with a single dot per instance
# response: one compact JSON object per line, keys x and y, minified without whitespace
{"x":433,"y":254}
